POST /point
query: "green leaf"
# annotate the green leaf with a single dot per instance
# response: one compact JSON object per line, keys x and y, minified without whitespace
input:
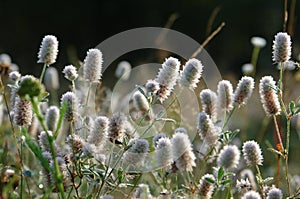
{"x":89,"y":197}
{"x":267,"y":180}
{"x":297,"y":111}
{"x":210,"y":180}
{"x":224,"y":182}
{"x":36,"y":150}
{"x":141,"y":91}
{"x":220,"y":173}
{"x":292,"y":106}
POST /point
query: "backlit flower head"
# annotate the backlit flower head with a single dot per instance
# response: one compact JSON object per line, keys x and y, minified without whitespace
{"x":51,"y":79}
{"x":70,"y":99}
{"x":229,"y":157}
{"x":136,"y":154}
{"x":258,"y":42}
{"x":208,"y":100}
{"x":251,"y":195}
{"x":70,"y":72}
{"x":167,"y":77}
{"x":244,"y":90}
{"x":274,"y":193}
{"x":206,"y":188}
{"x":191,"y":73}
{"x":268,"y":96}
{"x":123,"y":70}
{"x":225,"y":95}
{"x":48,"y":50}
{"x":252,"y":153}
{"x":117,"y":126}
{"x":282,"y":49}
{"x":206,"y":129}
{"x":92,"y":65}
{"x":22,"y":112}
{"x":100,"y":131}
{"x":163,"y":152}
{"x":52,"y":116}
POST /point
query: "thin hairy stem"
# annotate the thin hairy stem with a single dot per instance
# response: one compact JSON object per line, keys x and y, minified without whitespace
{"x":287,"y":156}
{"x":43,"y":73}
{"x":228,"y":118}
{"x":254,"y":59}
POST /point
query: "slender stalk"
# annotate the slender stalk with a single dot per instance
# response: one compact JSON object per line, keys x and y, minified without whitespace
{"x":285,"y":16}
{"x":260,"y":181}
{"x":43,"y":73}
{"x":57,"y":172}
{"x":21,"y":159}
{"x":278,"y":131}
{"x":254,"y":58}
{"x":228,"y":118}
{"x":287,"y":156}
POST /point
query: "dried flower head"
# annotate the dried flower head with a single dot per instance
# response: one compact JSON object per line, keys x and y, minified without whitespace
{"x":181,"y":130}
{"x":229,"y":157}
{"x":225,"y":95}
{"x":191,"y":73}
{"x":76,"y":144}
{"x":52,"y":116}
{"x":167,"y":77}
{"x":244,"y":90}
{"x":70,"y":72}
{"x":14,"y":76}
{"x":48,"y":50}
{"x":258,"y":42}
{"x":182,"y":152}
{"x":251,"y":195}
{"x":92,"y":65}
{"x":123,"y":70}
{"x":247,"y":174}
{"x":206,"y":188}
{"x":163,"y":152}
{"x":152,"y":86}
{"x":252,"y":153}
{"x":157,"y":137}
{"x":117,"y":126}
{"x":243,"y":185}
{"x":268,"y":96}
{"x":70,"y":99}
{"x":274,"y":193}
{"x":282,"y":49}
{"x":22,"y":112}
{"x":136,"y":154}
{"x":140,"y":102}
{"x":44,"y":143}
{"x":51,"y":79}
{"x":100,"y":130}
{"x":206,"y":129}
{"x":208,"y":100}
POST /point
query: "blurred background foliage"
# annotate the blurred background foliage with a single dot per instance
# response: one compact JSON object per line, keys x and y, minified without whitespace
{"x":80,"y":25}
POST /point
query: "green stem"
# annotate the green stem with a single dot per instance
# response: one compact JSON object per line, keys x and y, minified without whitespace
{"x":260,"y":181}
{"x":57,"y":172}
{"x":43,"y":73}
{"x":228,"y":118}
{"x":254,"y":58}
{"x":21,"y":159}
{"x":287,"y":156}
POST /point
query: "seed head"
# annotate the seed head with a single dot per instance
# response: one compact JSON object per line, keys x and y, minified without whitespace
{"x":251,"y":195}
{"x":117,"y":126}
{"x":225,"y":95}
{"x":140,"y":102}
{"x":99,"y":132}
{"x":182,"y":152}
{"x":252,"y":153}
{"x":167,"y":77}
{"x":70,"y":99}
{"x":282,"y":49}
{"x":229,"y":157}
{"x":244,"y":90}
{"x":164,"y":152}
{"x":206,"y":129}
{"x":136,"y":154}
{"x":152,"y":86}
{"x":48,"y":50}
{"x":51,"y":79}
{"x":247,"y":174}
{"x":274,"y":193}
{"x":14,"y":76}
{"x":268,"y":96}
{"x":191,"y":73}
{"x":52,"y":116}
{"x":206,"y":188}
{"x":157,"y":137}
{"x":92,"y":65}
{"x":258,"y":42}
{"x":209,"y":103}
{"x":22,"y":112}
{"x":70,"y":72}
